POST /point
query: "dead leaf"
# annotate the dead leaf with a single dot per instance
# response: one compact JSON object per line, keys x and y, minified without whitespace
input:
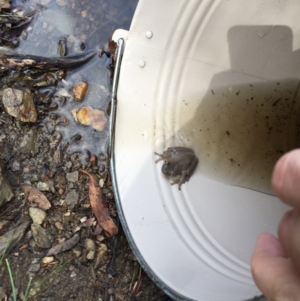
{"x":97,"y":203}
{"x":35,"y":196}
{"x":64,"y":246}
{"x":112,"y":46}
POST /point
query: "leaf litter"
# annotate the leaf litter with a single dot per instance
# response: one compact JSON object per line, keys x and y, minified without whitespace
{"x":99,"y":207}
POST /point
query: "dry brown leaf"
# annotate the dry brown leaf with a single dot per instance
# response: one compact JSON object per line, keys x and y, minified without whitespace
{"x":112,"y":46}
{"x":64,"y":246}
{"x":34,"y":195}
{"x":97,"y":203}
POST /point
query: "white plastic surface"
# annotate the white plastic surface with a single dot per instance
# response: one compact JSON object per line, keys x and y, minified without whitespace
{"x":197,"y":241}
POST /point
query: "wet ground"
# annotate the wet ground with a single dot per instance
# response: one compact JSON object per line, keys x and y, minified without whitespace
{"x":48,"y":153}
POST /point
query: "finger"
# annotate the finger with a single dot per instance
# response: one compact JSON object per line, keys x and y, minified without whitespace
{"x":288,"y":232}
{"x":286,"y":178}
{"x":272,"y":272}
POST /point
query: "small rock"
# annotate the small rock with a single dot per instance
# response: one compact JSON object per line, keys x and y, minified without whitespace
{"x":80,"y":90}
{"x":68,"y":164}
{"x":34,"y":267}
{"x":15,"y":166}
{"x":61,"y":191}
{"x":59,"y":226}
{"x":40,"y":236}
{"x":29,"y":141}
{"x":89,"y":116}
{"x":42,"y":186}
{"x":101,"y":183}
{"x":6,"y":193}
{"x":47,"y":260}
{"x":37,"y":215}
{"x":90,"y":255}
{"x":34,"y":178}
{"x":76,"y":252}
{"x":90,"y":244}
{"x":19,"y":104}
{"x":73,"y":274}
{"x":73,"y":176}
{"x":102,"y":249}
{"x":71,"y":199}
{"x":61,"y":182}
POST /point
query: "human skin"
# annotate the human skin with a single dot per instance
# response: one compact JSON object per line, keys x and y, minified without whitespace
{"x":275,"y":263}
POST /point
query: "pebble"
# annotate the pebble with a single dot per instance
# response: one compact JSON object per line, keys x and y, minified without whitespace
{"x":76,"y":252}
{"x":19,"y":104}
{"x":68,"y":164}
{"x":71,"y":199}
{"x":40,"y":236}
{"x":34,"y":267}
{"x":37,"y":215}
{"x":89,"y":116}
{"x":34,"y":178}
{"x":42,"y":186}
{"x":90,"y":255}
{"x":61,"y":191}
{"x":61,"y":182}
{"x":90,"y":244}
{"x":80,"y":90}
{"x":15,"y":166}
{"x":47,"y":260}
{"x":101,"y":182}
{"x":29,"y":141}
{"x":102,"y":249}
{"x":59,"y":226}
{"x":73,"y":176}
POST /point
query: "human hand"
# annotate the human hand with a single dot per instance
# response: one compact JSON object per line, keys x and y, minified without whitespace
{"x":275,"y":262}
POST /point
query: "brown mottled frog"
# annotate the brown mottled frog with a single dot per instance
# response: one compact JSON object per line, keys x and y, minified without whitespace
{"x":180,"y":163}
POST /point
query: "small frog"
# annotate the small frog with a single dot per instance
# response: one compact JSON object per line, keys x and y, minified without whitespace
{"x":180,"y":163}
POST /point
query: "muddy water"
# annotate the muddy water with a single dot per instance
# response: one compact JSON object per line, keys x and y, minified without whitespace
{"x":239,"y":132}
{"x":84,"y":25}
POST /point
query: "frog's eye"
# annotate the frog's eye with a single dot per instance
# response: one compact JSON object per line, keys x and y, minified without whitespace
{"x":172,"y":174}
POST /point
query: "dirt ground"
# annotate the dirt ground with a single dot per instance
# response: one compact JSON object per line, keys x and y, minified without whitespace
{"x":47,"y":154}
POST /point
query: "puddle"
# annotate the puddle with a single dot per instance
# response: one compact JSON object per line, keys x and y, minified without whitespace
{"x":85,"y":26}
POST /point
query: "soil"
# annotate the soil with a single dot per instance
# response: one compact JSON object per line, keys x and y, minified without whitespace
{"x":47,"y":155}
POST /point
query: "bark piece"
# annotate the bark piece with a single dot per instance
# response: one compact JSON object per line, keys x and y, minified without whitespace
{"x":64,"y":246}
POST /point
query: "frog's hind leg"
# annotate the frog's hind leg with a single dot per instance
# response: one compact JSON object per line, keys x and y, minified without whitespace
{"x":180,"y":180}
{"x":191,"y":169}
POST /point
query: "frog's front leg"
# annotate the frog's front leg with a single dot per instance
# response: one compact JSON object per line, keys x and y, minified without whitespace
{"x":162,"y":156}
